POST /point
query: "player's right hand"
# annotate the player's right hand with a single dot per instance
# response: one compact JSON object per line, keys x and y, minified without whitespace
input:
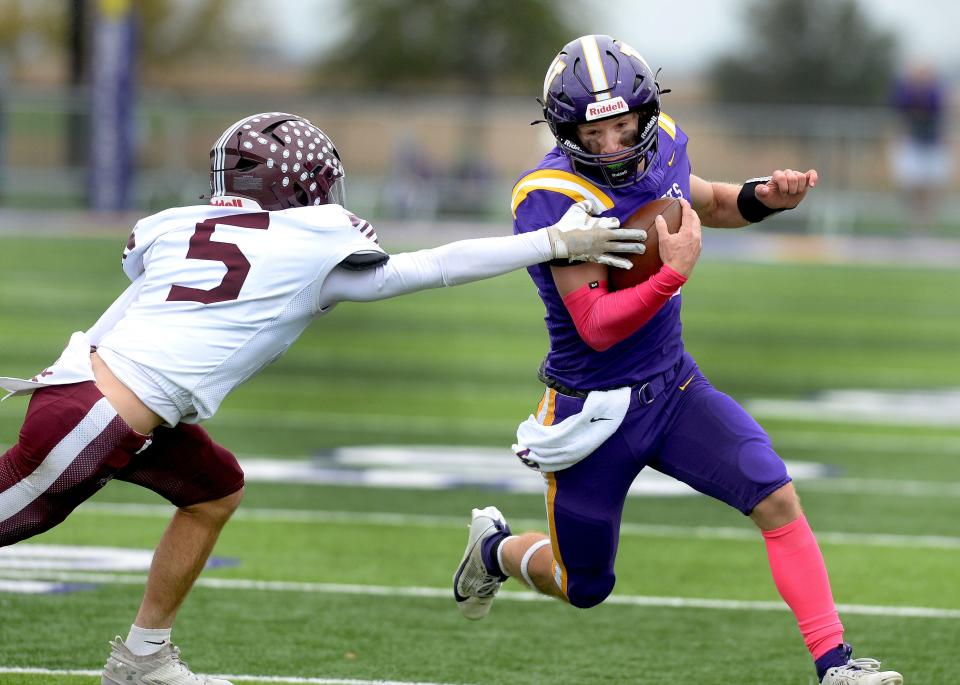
{"x":579,"y":236}
{"x":681,"y":250}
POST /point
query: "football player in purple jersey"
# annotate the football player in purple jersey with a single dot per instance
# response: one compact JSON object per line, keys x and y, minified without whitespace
{"x":227,"y":288}
{"x":621,"y":393}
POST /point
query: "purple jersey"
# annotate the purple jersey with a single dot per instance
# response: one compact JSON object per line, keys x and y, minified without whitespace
{"x":540,"y":198}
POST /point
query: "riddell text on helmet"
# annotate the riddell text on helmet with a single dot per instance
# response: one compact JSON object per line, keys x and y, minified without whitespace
{"x":606,"y":108}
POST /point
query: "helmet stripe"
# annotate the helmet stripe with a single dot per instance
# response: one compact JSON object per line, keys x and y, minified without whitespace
{"x":630,"y":52}
{"x":558,"y":66}
{"x":220,"y":153}
{"x":598,"y":77}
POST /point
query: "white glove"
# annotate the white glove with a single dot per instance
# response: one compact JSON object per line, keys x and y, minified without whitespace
{"x":580,"y":237}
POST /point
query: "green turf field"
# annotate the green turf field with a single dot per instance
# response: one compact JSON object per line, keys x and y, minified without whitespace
{"x":325,"y":588}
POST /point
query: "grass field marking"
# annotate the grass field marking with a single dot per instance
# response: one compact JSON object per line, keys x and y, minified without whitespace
{"x":372,"y":424}
{"x":375,"y":423}
{"x":446,"y":594}
{"x":878,"y":486}
{"x":881,"y":407}
{"x":793,"y":438}
{"x":282,"y":680}
{"x":747,"y":533}
{"x":865,"y":441}
{"x":441,"y":467}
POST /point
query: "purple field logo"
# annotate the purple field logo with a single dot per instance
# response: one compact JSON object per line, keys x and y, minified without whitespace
{"x":51,"y":569}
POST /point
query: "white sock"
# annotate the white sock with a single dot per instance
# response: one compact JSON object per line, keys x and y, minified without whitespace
{"x":144,"y":641}
{"x":500,"y":552}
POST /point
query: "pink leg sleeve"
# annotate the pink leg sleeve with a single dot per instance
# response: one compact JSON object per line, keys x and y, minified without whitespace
{"x":800,"y":575}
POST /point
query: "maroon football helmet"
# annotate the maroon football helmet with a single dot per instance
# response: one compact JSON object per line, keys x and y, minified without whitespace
{"x":278,"y":160}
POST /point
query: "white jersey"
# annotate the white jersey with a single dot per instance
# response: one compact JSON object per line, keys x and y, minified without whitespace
{"x":220,"y":292}
{"x":224,"y":292}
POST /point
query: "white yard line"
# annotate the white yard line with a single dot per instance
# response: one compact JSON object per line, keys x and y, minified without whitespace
{"x":934,"y":413}
{"x":446,"y":594}
{"x":880,"y":486}
{"x":290,"y":680}
{"x":372,"y":424}
{"x":865,"y":441}
{"x":784,"y":439}
{"x":747,"y":533}
{"x":878,"y":407}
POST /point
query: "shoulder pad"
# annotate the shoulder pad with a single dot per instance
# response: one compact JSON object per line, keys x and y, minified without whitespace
{"x":368,"y":259}
{"x":557,"y":181}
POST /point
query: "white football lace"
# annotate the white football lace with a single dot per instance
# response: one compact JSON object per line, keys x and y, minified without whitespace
{"x":864,"y":664}
{"x":488,"y":587}
{"x":185,"y":670}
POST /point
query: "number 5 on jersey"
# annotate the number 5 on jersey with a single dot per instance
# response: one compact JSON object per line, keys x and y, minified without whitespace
{"x":238,"y":266}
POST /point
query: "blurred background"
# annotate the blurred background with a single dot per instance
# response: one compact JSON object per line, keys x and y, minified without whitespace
{"x":836,"y":325}
{"x":112,"y":105}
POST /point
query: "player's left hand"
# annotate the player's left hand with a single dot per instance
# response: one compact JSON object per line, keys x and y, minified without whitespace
{"x":786,"y":188}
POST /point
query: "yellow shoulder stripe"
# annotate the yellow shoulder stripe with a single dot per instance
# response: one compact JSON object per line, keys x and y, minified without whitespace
{"x":557,"y":181}
{"x":669,"y":125}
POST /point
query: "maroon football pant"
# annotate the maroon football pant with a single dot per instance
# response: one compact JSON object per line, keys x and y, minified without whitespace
{"x":72,"y":443}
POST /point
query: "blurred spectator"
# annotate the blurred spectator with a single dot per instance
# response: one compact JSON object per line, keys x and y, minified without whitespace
{"x":470,"y":183}
{"x":920,"y":160}
{"x":410,"y":190}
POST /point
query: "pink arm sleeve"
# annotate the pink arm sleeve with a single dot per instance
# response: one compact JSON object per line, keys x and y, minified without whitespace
{"x":604,"y":318}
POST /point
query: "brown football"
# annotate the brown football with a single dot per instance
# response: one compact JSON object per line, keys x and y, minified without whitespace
{"x":648,"y":263}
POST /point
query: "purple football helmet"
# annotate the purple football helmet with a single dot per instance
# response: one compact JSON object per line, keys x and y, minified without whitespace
{"x":279,"y":160}
{"x":594,"y":78}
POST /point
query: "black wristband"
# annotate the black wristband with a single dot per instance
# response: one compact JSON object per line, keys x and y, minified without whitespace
{"x":750,"y":207}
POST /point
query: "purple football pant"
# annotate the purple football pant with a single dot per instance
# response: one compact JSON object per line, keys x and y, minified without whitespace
{"x":684,"y":428}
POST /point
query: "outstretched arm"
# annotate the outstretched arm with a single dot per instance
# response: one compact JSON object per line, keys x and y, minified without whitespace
{"x":577,"y":236}
{"x":725,"y":205}
{"x":452,"y":264}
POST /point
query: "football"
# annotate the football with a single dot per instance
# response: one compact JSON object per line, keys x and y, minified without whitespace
{"x":648,"y":263}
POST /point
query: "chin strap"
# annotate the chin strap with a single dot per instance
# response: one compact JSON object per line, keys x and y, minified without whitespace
{"x":656,"y":82}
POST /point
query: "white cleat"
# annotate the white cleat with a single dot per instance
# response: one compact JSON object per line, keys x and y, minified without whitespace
{"x":861,"y":672}
{"x":165,"y":667}
{"x":474,"y":587}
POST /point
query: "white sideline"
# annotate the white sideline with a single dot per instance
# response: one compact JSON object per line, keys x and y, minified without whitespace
{"x":746,"y":533}
{"x":290,"y":680}
{"x":446,"y":594}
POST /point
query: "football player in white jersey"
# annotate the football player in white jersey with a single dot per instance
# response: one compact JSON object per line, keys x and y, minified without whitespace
{"x":218,"y":292}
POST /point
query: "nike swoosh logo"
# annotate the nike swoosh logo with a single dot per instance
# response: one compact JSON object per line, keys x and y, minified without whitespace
{"x":686,"y":383}
{"x":151,"y":642}
{"x":599,"y":418}
{"x":670,"y":163}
